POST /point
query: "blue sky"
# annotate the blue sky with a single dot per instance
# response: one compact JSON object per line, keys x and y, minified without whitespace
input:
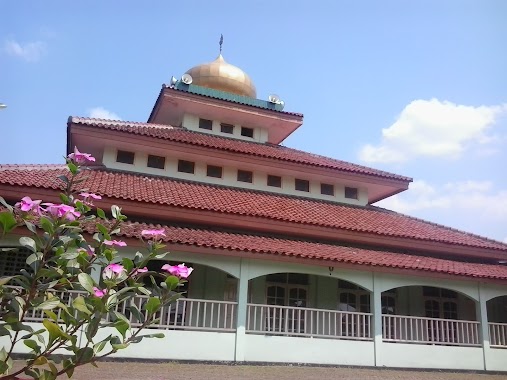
{"x":412,"y":87}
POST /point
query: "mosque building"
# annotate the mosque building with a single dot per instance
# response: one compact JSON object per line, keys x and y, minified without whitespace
{"x":293,"y":262}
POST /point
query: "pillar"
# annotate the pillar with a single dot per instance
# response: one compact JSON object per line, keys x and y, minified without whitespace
{"x":377,"y":318}
{"x":482,"y":317}
{"x":239,"y":355}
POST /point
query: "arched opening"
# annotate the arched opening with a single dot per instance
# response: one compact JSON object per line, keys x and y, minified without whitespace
{"x":208,"y":301}
{"x":429,"y":315}
{"x":299,"y":304}
{"x":497,"y":321}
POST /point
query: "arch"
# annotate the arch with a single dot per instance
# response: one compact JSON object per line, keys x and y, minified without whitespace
{"x":429,"y":301}
{"x":469,"y":290}
{"x":362,"y":279}
{"x":497,"y":309}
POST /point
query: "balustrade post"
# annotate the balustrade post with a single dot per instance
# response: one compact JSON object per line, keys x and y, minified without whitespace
{"x":241,"y":311}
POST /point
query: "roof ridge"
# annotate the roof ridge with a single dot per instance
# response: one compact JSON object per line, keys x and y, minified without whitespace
{"x":381,"y":209}
{"x":32,"y":166}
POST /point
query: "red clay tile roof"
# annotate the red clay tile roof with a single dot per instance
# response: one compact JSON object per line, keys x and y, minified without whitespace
{"x":316,"y":251}
{"x":192,"y":195}
{"x":277,"y":152}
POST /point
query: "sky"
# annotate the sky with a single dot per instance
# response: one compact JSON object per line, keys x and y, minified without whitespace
{"x":417,"y":88}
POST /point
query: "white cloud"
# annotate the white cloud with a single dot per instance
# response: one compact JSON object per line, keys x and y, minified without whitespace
{"x":102,"y":113}
{"x":30,"y":51}
{"x":434,"y":128}
{"x":505,"y":240}
{"x":477,"y":198}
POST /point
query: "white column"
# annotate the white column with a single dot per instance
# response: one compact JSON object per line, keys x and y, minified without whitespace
{"x":482,"y":317}
{"x":239,"y":355}
{"x":377,"y":319}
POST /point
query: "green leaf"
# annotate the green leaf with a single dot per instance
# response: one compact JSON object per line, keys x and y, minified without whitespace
{"x":172,"y":282}
{"x":115,"y":211}
{"x":7,"y":221}
{"x":128,"y":264}
{"x":119,"y":346}
{"x":86,"y":281}
{"x":84,"y":354}
{"x":103,"y":230}
{"x":93,"y":326}
{"x":72,"y":167}
{"x":54,"y":331}
{"x":70,"y":255}
{"x":156,"y":335}
{"x":122,"y":326}
{"x":5,"y":204}
{"x":136,"y":313}
{"x":68,"y":366}
{"x":79,"y":304}
{"x":46,"y":225}
{"x":152,"y":305}
{"x":5,"y":280}
{"x":28,"y":243}
{"x":51,"y":314}
{"x":32,"y":344}
{"x":97,"y":347}
{"x":100,"y":213}
{"x":34,"y":260}
{"x":50,"y":304}
{"x":31,"y":227}
{"x":143,"y":290}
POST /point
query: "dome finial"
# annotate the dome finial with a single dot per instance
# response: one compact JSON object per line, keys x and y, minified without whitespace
{"x":221,"y":42}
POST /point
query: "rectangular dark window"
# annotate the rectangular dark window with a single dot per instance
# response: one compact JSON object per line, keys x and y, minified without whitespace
{"x":247,"y":132}
{"x":125,"y":157}
{"x":274,"y":180}
{"x":326,"y":189}
{"x":206,"y":124}
{"x":186,"y":166}
{"x":302,"y":185}
{"x":245,"y":176}
{"x":157,"y":162}
{"x":227,"y":128}
{"x":214,"y":171}
{"x":351,"y":192}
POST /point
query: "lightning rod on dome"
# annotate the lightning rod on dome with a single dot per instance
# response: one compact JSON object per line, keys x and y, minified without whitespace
{"x":221,"y":42}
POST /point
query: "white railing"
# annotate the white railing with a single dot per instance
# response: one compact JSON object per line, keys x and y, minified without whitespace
{"x":498,"y":334}
{"x":407,"y":329}
{"x":187,"y":314}
{"x":184,"y":314}
{"x":307,"y":322}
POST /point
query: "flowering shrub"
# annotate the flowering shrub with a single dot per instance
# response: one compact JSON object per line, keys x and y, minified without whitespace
{"x":61,"y":260}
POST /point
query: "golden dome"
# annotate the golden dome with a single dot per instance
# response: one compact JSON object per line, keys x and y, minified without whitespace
{"x":223,"y":76}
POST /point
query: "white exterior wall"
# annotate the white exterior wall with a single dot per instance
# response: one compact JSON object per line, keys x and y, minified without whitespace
{"x":192,"y":122}
{"x":229,"y":177}
{"x":273,"y":349}
{"x":430,"y":356}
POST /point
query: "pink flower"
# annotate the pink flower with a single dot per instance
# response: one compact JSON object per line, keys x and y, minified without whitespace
{"x":113,"y":272}
{"x":90,"y":195}
{"x":153,"y":233}
{"x":80,"y":158}
{"x":117,"y":243}
{"x":99,"y":292}
{"x":89,"y":250}
{"x":180,"y":270}
{"x":62,"y":211}
{"x":140,"y":270}
{"x":27,"y":204}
